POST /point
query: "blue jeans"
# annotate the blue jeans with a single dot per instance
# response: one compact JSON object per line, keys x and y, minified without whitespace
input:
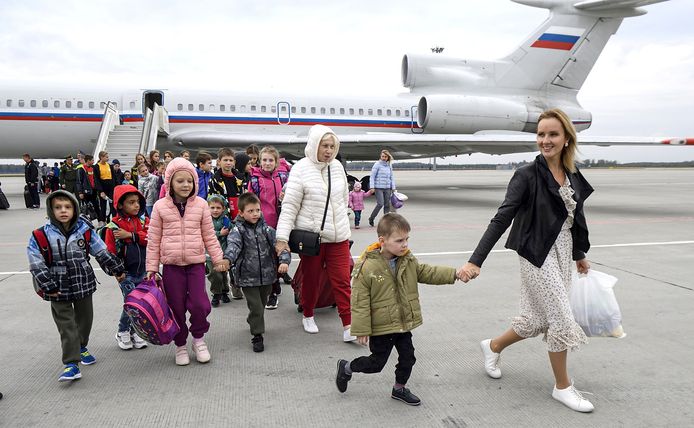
{"x":149,"y":208}
{"x":128,"y":285}
{"x":357,"y":217}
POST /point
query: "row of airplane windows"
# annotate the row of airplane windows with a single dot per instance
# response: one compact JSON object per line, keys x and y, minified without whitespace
{"x":313,"y":110}
{"x":57,"y":104}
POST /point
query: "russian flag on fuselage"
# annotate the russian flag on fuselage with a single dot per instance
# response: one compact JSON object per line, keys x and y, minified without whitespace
{"x":555,"y":37}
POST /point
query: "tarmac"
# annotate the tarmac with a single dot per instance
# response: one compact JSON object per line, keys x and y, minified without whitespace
{"x":641,"y":224}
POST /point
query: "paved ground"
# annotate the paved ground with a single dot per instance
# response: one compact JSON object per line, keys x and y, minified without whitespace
{"x":643,"y":380}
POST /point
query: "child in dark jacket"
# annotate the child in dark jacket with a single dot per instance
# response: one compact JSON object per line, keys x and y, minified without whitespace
{"x":219,"y":281}
{"x":251,"y":251}
{"x":126,"y":238}
{"x":62,"y":275}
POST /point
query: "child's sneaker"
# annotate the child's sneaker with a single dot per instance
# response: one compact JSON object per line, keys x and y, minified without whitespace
{"x":271,"y":302}
{"x":257,"y":342}
{"x":182,"y":357}
{"x":236,"y":293}
{"x":215,"y":300}
{"x":342,"y":378}
{"x":71,"y":372}
{"x":403,"y":394}
{"x":86,"y":357}
{"x":138,"y":342}
{"x":202,"y":354}
{"x":225,"y":298}
{"x":123,"y":339}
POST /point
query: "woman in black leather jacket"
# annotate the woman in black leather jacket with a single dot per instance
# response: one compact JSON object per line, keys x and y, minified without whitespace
{"x":544,"y":200}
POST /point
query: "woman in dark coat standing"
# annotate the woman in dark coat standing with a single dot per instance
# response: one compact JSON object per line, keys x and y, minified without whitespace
{"x":545,"y":202}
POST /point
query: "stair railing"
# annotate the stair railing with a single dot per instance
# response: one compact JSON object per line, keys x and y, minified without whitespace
{"x":108,"y":123}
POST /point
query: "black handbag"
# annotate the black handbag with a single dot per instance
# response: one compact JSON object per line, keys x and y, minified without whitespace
{"x":307,"y":242}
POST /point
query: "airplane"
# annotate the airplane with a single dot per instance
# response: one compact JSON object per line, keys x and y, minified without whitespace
{"x":455,"y":106}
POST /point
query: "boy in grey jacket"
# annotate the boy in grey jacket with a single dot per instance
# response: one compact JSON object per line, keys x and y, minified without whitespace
{"x":251,"y":252}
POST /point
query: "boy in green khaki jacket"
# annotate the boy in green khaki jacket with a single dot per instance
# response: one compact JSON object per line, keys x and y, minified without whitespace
{"x":385,"y":305}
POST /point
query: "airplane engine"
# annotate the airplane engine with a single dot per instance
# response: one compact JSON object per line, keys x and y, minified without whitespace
{"x":464,"y":114}
{"x":427,"y":71}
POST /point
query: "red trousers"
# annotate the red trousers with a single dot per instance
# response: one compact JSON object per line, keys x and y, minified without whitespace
{"x":334,"y":257}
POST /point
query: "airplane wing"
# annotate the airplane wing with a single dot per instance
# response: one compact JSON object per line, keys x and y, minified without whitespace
{"x":603,"y":5}
{"x":404,"y":146}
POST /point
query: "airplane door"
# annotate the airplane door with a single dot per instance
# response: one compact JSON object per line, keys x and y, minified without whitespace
{"x":413,"y":124}
{"x":151,"y":97}
{"x":284,"y":115}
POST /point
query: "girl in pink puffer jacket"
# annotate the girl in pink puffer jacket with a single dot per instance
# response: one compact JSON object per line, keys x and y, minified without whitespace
{"x":180,"y":231}
{"x":356,"y":202}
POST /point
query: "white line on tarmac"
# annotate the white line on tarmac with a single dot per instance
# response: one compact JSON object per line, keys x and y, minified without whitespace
{"x":453,"y":253}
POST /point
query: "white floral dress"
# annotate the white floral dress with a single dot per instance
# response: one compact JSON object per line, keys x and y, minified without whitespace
{"x":544,"y":301}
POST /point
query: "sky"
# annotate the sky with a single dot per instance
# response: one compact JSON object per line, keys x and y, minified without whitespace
{"x":641,"y":85}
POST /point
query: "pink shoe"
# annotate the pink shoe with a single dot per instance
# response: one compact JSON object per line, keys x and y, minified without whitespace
{"x":182,"y":358}
{"x":201,"y":352}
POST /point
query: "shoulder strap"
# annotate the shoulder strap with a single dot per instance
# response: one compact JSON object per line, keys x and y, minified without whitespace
{"x":87,"y":241}
{"x":44,"y":246}
{"x":327,"y":201}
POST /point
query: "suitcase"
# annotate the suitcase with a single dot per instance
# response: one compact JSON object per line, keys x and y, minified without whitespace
{"x":325,"y":293}
{"x":4,"y":203}
{"x":27,"y":197}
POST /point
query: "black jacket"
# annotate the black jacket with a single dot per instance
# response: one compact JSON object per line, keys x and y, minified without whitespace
{"x":537,"y":210}
{"x":31,"y":172}
{"x":104,"y":185}
{"x":82,"y":184}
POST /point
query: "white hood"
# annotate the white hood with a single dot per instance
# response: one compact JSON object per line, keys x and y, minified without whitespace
{"x":315,"y":135}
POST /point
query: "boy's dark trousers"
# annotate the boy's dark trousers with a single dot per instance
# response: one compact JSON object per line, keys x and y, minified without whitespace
{"x":219,"y":281}
{"x":256,"y":299}
{"x":380,"y":347}
{"x":74,"y":322}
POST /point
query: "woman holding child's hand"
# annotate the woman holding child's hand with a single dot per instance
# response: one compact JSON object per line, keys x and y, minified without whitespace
{"x":544,"y":201}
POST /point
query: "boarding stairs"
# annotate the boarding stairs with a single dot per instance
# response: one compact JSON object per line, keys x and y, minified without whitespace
{"x":125,"y":141}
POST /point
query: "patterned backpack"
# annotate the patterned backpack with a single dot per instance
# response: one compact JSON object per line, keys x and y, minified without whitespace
{"x":150,"y":314}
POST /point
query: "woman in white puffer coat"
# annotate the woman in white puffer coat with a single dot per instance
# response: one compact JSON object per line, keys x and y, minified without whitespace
{"x":302,"y":208}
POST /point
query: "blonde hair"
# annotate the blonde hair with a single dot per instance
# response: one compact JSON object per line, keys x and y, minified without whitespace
{"x":271,"y":150}
{"x":387,"y":153}
{"x":568,"y":153}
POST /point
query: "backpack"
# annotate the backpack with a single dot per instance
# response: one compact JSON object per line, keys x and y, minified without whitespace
{"x":150,"y":314}
{"x":45,"y":249}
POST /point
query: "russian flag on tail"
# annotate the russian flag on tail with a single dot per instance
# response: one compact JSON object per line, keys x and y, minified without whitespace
{"x":561,"y":38}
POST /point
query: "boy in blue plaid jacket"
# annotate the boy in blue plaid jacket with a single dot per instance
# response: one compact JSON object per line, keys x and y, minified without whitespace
{"x":67,"y":279}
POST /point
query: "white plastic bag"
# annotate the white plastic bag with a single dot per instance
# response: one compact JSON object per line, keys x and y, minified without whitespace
{"x":594,"y":304}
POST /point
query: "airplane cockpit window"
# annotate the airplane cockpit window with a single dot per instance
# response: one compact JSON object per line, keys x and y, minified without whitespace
{"x":303,"y":109}
{"x":313,"y":110}
{"x":190,"y":107}
{"x":68,"y":104}
{"x":56,"y":104}
{"x":179,"y":107}
{"x":332,"y":110}
{"x":44,"y":103}
{"x":32,"y":103}
{"x":21,"y":103}
{"x":322,"y":110}
{"x":201,"y":107}
{"x":222,"y":107}
{"x":371,"y":112}
{"x":342,"y":110}
{"x":379,"y":112}
{"x":80,"y":104}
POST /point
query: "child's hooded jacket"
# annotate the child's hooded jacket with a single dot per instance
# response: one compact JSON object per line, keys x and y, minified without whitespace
{"x":174,"y":239}
{"x":70,"y":273}
{"x":131,"y":251}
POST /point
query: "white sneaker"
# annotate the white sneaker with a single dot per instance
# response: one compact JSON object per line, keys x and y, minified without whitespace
{"x":347,"y":336}
{"x":138,"y":342}
{"x":572,"y":398}
{"x":492,"y":360}
{"x":310,"y":325}
{"x":123,"y":339}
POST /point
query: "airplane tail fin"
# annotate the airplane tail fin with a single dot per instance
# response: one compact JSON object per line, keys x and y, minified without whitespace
{"x":561,"y":52}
